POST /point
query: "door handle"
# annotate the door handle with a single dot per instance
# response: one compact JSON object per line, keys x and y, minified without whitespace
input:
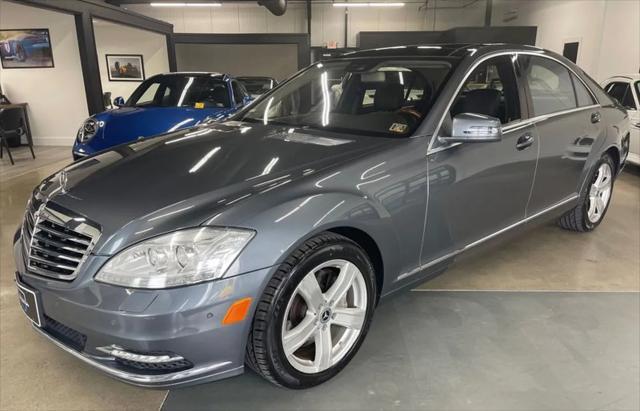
{"x":595,"y":117}
{"x":524,"y":141}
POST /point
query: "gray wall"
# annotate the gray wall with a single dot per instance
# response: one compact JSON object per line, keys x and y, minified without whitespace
{"x":273,"y":60}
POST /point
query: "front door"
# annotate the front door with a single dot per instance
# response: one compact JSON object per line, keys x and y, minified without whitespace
{"x":477,"y":189}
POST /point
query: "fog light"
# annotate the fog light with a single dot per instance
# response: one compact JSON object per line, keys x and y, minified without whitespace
{"x":119,"y":352}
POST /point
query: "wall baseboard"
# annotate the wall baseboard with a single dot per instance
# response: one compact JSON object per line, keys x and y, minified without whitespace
{"x":53,"y":141}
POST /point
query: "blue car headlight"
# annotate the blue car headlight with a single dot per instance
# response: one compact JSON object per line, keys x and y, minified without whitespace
{"x":180,"y":258}
{"x":88,"y":129}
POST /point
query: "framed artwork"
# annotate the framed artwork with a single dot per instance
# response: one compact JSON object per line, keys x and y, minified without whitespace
{"x":25,"y":48}
{"x":125,"y":67}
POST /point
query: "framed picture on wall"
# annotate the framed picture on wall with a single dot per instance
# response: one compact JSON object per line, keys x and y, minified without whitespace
{"x":125,"y":67}
{"x":25,"y":48}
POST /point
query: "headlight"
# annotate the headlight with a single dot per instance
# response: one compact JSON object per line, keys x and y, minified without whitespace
{"x":88,"y":129}
{"x":180,"y":258}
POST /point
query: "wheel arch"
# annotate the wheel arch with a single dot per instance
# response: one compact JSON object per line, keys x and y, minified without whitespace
{"x":370,"y":246}
{"x":614,"y":153}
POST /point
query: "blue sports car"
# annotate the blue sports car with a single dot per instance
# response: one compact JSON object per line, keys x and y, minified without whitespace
{"x":162,"y":103}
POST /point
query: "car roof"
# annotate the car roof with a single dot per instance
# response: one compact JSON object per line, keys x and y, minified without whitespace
{"x":450,"y":50}
{"x":254,"y":78}
{"x":194,"y":73}
{"x":632,"y":77}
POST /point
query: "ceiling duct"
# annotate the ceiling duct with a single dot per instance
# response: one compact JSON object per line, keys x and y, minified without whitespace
{"x":277,"y":7}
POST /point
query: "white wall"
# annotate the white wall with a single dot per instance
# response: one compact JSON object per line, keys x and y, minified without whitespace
{"x":230,"y":18}
{"x":56,"y":96}
{"x":620,"y":48}
{"x":327,"y":22}
{"x":112,"y":38}
{"x":608,"y":31}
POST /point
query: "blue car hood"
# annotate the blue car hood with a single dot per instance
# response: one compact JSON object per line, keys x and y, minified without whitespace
{"x":129,"y":123}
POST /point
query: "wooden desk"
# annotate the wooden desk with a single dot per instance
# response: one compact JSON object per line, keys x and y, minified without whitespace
{"x":25,"y":120}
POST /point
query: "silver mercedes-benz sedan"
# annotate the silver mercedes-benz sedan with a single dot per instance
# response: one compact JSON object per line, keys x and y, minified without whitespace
{"x":267,"y":240}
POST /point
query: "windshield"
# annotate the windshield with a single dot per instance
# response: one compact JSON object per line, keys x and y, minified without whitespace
{"x":181,"y":91}
{"x":364,"y":96}
{"x":257,"y":85}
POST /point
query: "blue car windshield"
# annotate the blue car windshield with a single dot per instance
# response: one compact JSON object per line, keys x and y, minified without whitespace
{"x":384,"y":97}
{"x":174,"y":90}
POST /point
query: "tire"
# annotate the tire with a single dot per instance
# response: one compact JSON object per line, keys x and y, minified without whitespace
{"x":286,"y":317}
{"x":20,"y":53}
{"x":583,"y":218}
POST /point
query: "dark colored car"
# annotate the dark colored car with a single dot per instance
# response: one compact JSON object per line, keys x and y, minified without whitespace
{"x":268,"y":240}
{"x":257,"y":86}
{"x":160,"y":104}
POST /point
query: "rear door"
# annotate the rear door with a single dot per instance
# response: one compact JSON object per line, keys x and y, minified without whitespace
{"x":567,"y":121}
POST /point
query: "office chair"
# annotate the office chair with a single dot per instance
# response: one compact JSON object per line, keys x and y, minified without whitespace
{"x":11,"y":125}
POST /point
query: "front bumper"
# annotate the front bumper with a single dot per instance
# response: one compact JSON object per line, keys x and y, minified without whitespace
{"x":186,"y":321}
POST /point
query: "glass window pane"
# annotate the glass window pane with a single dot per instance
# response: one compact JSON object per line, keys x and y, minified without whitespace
{"x":376,"y":96}
{"x":491,"y":90}
{"x":582,"y":94}
{"x":550,"y":86}
{"x":618,"y":90}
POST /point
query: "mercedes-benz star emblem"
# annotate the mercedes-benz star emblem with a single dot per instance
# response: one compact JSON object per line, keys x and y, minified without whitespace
{"x":62,"y":180}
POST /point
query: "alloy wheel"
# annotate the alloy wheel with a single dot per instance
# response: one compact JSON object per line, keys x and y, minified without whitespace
{"x":324,"y":316}
{"x":599,"y":193}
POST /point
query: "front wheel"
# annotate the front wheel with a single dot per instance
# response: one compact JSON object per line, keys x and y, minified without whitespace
{"x":594,"y":201}
{"x":314,"y":313}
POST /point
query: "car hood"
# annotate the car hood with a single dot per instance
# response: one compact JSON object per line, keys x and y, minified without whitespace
{"x":129,"y":123}
{"x":186,"y":177}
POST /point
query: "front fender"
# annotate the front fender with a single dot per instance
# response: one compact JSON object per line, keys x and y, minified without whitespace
{"x":283,"y":228}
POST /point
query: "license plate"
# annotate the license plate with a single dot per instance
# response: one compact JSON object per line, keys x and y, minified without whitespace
{"x":29,"y":302}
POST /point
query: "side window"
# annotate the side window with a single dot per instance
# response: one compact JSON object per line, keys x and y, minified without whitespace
{"x":583,"y":96}
{"x":550,"y":86}
{"x":239,"y":92}
{"x":627,"y":101}
{"x":619,"y":91}
{"x":149,"y":94}
{"x":491,"y":89}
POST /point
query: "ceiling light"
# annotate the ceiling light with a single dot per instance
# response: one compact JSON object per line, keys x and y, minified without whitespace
{"x":368,"y":4}
{"x":185,"y":4}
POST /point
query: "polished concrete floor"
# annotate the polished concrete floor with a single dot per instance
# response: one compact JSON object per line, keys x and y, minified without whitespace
{"x":546,"y":320}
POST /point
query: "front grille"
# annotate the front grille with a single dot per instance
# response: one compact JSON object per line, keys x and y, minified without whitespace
{"x":54,"y":243}
{"x":64,"y":334}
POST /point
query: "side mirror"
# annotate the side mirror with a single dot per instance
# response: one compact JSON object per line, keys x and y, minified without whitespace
{"x":474,"y":128}
{"x":118,"y":101}
{"x":246,"y":100}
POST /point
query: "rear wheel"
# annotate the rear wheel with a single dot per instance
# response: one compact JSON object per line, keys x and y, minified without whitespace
{"x":314,"y":313}
{"x":594,"y":201}
{"x":20,"y":53}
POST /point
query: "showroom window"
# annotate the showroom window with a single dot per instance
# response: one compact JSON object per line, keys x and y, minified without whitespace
{"x":491,"y":89}
{"x":583,"y":96}
{"x":550,"y":85}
